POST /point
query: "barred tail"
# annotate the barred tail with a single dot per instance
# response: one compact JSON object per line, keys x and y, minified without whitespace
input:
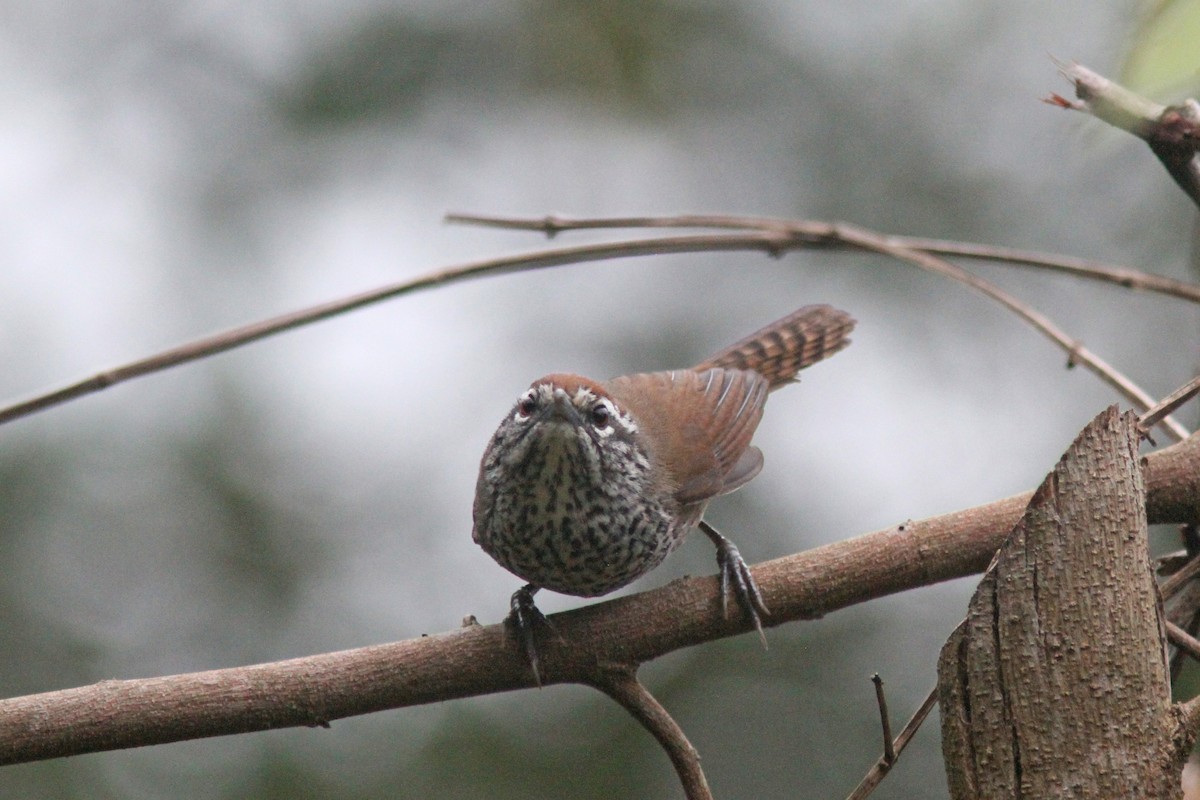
{"x":786,"y":346}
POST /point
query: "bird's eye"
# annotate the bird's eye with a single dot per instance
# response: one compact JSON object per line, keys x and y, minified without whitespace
{"x":526,"y":406}
{"x":601,"y":414}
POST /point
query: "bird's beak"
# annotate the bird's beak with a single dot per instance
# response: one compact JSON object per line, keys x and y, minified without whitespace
{"x":562,"y":410}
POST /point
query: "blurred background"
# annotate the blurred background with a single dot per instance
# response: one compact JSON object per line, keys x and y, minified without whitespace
{"x":171,"y":169}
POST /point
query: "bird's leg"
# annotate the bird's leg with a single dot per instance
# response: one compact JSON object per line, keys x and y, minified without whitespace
{"x":524,"y":616}
{"x":735,"y":574}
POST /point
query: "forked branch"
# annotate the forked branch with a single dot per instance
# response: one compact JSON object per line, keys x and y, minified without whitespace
{"x":623,"y":686}
{"x":892,"y":750}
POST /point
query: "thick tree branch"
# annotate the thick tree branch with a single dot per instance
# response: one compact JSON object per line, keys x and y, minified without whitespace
{"x":480,"y":660}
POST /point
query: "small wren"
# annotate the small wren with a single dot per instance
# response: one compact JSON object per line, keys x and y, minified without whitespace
{"x":587,"y":486}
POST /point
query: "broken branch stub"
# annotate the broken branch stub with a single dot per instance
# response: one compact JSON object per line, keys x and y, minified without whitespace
{"x":1056,"y":683}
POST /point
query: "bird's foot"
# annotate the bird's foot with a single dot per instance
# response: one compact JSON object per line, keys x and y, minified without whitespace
{"x":524,"y":617}
{"x":735,"y":575}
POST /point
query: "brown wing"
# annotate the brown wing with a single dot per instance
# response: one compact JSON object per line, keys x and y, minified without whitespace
{"x":788,"y":345}
{"x":701,"y":422}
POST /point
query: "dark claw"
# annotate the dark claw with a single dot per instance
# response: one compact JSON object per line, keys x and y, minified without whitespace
{"x":524,"y":617}
{"x":736,"y":573}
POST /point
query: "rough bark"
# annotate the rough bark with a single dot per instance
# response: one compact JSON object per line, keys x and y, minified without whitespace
{"x":1056,"y":684}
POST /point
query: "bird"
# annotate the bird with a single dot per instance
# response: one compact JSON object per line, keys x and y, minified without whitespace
{"x":586,"y":485}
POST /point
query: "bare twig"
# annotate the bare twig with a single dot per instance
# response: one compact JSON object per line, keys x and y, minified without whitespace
{"x":889,"y":751}
{"x":1179,"y":579}
{"x":1168,"y":404}
{"x":623,"y":687}
{"x":245,"y":334}
{"x":884,"y":764}
{"x":765,"y":235}
{"x":816,"y":233}
{"x":1076,"y":352}
{"x":826,"y":234}
{"x":1070,"y":265}
{"x":1183,"y":640}
{"x":1180,"y":594}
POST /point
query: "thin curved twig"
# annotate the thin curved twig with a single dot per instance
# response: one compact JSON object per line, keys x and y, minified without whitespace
{"x":827,"y":234}
{"x":772,"y":237}
{"x":623,"y":686}
{"x":245,"y":334}
{"x":818,"y":233}
{"x":1078,"y":267}
{"x":1076,"y":352}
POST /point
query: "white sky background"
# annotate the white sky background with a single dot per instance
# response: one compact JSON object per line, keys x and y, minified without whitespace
{"x":151,"y":191}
